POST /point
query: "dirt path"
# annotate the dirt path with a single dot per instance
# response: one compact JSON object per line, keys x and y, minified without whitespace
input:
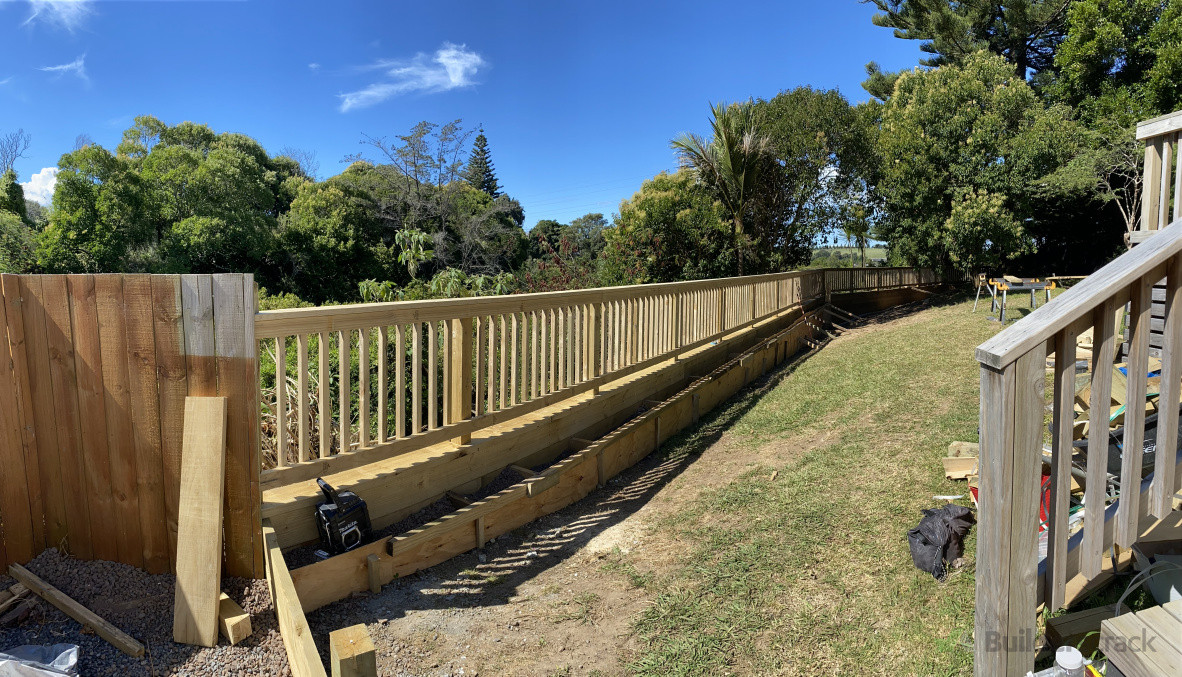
{"x":557,"y":597}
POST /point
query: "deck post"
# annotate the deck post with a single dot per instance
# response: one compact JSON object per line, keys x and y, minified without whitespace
{"x":1012,"y":401}
{"x":459,"y":392}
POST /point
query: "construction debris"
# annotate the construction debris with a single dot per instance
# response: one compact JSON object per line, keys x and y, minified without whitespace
{"x":112,"y":634}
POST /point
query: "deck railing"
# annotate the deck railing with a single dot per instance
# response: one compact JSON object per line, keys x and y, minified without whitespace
{"x":1011,"y":581}
{"x":357,"y":383}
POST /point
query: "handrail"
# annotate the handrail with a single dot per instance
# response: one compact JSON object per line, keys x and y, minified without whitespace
{"x":372,"y":380}
{"x":1038,"y":327}
{"x":275,"y":323}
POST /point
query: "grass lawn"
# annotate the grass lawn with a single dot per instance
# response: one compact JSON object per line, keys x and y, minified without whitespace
{"x":801,"y":565}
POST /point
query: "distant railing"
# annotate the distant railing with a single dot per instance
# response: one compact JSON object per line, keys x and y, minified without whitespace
{"x":358,"y":383}
{"x":1013,"y":431}
{"x":1161,"y":136}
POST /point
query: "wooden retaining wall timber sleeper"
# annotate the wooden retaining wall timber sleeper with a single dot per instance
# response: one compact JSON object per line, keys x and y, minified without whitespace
{"x":556,"y":487}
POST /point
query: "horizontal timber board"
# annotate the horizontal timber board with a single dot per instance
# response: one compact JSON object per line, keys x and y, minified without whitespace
{"x":571,"y":479}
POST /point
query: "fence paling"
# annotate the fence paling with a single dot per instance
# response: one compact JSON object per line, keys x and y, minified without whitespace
{"x":519,"y":353}
{"x":95,"y":368}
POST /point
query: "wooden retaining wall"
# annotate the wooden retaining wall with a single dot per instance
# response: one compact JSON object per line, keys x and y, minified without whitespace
{"x":94,"y":371}
{"x":558,"y":486}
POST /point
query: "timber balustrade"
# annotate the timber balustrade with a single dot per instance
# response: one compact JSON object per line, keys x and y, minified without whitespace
{"x":357,"y":383}
{"x":1011,"y":581}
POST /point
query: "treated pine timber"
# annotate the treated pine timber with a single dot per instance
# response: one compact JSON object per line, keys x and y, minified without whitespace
{"x":233,"y":621}
{"x":424,"y":476}
{"x":352,"y":652}
{"x":277,"y":477}
{"x":116,"y":637}
{"x":566,"y":482}
{"x":199,"y":532}
{"x":302,"y":657}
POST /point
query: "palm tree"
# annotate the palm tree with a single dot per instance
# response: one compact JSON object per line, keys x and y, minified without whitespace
{"x":729,"y":163}
{"x":857,"y":230}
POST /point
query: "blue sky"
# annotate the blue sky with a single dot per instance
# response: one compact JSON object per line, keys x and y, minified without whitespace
{"x":578,"y":100}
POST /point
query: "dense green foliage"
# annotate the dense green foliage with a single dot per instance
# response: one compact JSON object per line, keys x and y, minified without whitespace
{"x":1010,"y":149}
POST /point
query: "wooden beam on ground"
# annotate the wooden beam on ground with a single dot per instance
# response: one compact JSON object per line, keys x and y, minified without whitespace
{"x":457,"y":499}
{"x":352,"y":652}
{"x":233,"y":621}
{"x":116,"y":637}
{"x":959,"y":467}
{"x":375,"y":573}
{"x":199,"y":522}
{"x":302,"y":657}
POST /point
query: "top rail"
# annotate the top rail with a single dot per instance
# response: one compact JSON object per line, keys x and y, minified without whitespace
{"x":277,"y":323}
{"x":1038,"y":327}
{"x":1163,"y":124}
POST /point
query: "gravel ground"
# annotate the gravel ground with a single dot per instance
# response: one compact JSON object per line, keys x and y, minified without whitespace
{"x":141,"y":605}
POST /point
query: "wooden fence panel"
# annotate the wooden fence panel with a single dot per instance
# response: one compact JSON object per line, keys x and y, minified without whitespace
{"x":94,"y":370}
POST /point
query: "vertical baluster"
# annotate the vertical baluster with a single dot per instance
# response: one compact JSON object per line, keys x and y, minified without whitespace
{"x":1063,"y":419}
{"x":561,"y":341}
{"x":416,"y":378}
{"x":1162,"y":490}
{"x":433,"y":405}
{"x":344,"y":392}
{"x":281,"y":401}
{"x":1167,"y":156}
{"x":400,"y":381}
{"x":322,"y":391}
{"x":535,"y":346}
{"x":549,"y":325}
{"x":1103,"y":322}
{"x":1178,"y":176}
{"x":302,"y":366}
{"x":504,"y":363}
{"x":490,"y":396}
{"x":445,"y":374}
{"x":1129,"y":510}
{"x":481,"y":356}
{"x":383,"y":384}
{"x":363,"y":336}
{"x":514,"y":384}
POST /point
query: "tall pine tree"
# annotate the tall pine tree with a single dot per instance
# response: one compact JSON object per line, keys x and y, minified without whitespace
{"x":479,"y":173}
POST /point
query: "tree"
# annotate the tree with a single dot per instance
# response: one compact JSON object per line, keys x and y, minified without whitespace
{"x":857,"y":229}
{"x":967,"y":149}
{"x":821,"y":163}
{"x":729,"y":163}
{"x":1023,"y":32}
{"x":12,"y":195}
{"x":306,"y":159}
{"x":17,"y":244}
{"x":331,"y":229}
{"x":13,"y":147}
{"x":1127,"y":52}
{"x":479,"y":173}
{"x":671,"y":229}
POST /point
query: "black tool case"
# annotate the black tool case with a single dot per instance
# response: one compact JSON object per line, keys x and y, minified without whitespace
{"x":342,"y":520}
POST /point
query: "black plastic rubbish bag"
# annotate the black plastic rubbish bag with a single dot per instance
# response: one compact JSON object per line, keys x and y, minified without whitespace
{"x":939,"y":538}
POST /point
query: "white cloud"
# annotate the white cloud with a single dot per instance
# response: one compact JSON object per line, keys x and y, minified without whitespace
{"x":68,"y":15}
{"x":5,"y":81}
{"x":39,"y":188}
{"x":313,"y":66}
{"x":451,"y":66}
{"x":76,"y":67}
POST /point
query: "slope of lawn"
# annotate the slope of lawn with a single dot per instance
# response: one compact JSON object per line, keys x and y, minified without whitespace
{"x":801,"y":565}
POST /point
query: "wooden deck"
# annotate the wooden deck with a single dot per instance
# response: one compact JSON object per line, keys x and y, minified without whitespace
{"x":1145,"y":644}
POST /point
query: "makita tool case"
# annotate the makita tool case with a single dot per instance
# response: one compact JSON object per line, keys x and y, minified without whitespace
{"x":343,"y":520}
